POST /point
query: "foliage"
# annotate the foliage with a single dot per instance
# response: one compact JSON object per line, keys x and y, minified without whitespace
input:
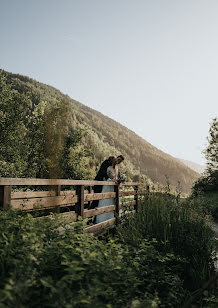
{"x":211,"y":152}
{"x":208,"y":183}
{"x":33,"y":134}
{"x":181,"y":227}
{"x":13,"y":107}
{"x":43,"y":265}
{"x":73,"y":159}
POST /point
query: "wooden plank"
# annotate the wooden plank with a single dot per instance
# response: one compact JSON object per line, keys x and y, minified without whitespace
{"x":97,"y":211}
{"x":130,"y":203}
{"x":50,"y":182}
{"x":47,"y":182}
{"x":99,"y":196}
{"x":40,"y":194}
{"x":32,"y":194}
{"x":100,"y":226}
{"x":40,"y":203}
{"x":127,"y":193}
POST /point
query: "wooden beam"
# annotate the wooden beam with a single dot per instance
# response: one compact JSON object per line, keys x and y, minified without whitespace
{"x":47,"y":182}
{"x":97,"y":211}
{"x":130,"y":203}
{"x":100,"y":196}
{"x":100,"y":226}
{"x":32,"y":194}
{"x":41,"y":203}
{"x":127,"y":193}
{"x":50,"y":182}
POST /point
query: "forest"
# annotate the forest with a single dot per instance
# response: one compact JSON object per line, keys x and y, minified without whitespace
{"x":46,"y":134}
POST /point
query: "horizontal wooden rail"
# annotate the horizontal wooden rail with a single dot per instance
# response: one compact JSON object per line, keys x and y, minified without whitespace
{"x":127,"y":193}
{"x":130,"y":203}
{"x":51,"y":182}
{"x":100,"y":226}
{"x":41,"y":203}
{"x":97,"y":211}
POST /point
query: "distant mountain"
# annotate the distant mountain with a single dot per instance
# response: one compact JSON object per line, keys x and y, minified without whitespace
{"x":194,"y":166}
{"x":107,"y":137}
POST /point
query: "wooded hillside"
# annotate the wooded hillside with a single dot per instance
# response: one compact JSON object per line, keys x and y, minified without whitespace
{"x":45,"y":133}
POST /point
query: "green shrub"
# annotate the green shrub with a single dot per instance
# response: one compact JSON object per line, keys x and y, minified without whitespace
{"x":180,"y":227}
{"x":43,"y":265}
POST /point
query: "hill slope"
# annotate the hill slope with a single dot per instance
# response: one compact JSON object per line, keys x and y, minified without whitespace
{"x":107,"y":137}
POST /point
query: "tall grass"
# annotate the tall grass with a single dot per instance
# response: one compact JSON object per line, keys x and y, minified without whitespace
{"x":180,"y":227}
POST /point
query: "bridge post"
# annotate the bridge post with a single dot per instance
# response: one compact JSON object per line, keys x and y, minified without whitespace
{"x":136,"y":198}
{"x":5,"y":196}
{"x":117,"y":202}
{"x":58,"y":193}
{"x":80,"y":204}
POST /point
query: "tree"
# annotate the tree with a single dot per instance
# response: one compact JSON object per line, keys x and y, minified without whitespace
{"x":13,"y":146}
{"x":209,"y":181}
{"x":74,"y":160}
{"x":211,"y":152}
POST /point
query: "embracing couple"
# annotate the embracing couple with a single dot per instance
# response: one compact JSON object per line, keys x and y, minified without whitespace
{"x":109,"y":169}
{"x":108,"y":172}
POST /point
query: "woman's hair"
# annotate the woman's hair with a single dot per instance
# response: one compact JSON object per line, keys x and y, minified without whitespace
{"x":112,"y":161}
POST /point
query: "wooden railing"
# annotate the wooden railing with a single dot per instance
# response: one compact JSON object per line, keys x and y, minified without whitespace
{"x":70,"y":198}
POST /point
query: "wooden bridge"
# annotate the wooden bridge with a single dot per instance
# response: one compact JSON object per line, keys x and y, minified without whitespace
{"x":69,"y":198}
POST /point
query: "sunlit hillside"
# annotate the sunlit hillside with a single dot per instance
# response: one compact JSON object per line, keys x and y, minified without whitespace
{"x":104,"y":136}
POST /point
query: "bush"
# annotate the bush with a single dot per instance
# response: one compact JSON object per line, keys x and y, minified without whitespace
{"x":43,"y":267}
{"x":180,"y":228}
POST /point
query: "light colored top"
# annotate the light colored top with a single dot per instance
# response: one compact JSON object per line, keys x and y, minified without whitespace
{"x":112,"y":173}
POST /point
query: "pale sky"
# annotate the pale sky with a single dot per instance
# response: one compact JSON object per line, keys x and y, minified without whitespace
{"x":150,"y":65}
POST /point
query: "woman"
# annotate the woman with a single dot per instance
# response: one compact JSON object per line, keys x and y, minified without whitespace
{"x":112,"y":173}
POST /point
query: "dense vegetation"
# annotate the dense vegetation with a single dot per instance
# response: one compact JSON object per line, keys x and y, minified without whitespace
{"x":43,"y":130}
{"x":206,"y":187}
{"x":155,"y":259}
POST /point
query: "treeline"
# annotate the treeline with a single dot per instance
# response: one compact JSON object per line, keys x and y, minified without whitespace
{"x":46,"y":122}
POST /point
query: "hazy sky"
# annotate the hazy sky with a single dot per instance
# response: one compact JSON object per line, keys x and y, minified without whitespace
{"x":150,"y":65}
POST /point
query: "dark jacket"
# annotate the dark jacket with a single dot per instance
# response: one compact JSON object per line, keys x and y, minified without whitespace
{"x":101,"y":176}
{"x":102,"y":173}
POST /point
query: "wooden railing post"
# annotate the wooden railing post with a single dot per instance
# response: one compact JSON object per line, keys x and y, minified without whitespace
{"x":58,"y":193}
{"x":5,"y":197}
{"x":117,"y":202}
{"x":80,"y":205}
{"x":136,"y":198}
{"x":89,"y":202}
